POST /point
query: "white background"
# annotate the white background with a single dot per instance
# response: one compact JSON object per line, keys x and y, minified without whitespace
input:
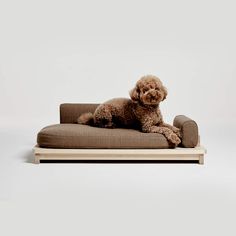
{"x":53,"y":52}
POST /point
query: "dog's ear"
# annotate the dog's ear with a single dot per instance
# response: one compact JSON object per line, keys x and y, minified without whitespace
{"x":164,"y":92}
{"x":134,"y":94}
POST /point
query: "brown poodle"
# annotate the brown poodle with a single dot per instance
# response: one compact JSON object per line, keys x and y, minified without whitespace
{"x":140,"y":112}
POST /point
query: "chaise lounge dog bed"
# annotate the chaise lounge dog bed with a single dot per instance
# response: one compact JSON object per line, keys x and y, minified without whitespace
{"x":70,"y":141}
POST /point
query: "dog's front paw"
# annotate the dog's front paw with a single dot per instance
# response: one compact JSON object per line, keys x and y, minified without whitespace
{"x":174,"y":139}
{"x":177,"y":131}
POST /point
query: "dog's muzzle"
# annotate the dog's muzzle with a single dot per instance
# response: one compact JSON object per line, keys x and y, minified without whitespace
{"x":152,"y":93}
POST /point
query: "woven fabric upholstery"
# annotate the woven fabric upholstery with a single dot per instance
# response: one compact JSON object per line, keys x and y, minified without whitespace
{"x":69,"y":134}
{"x":84,"y":136}
{"x":69,"y":112}
{"x":189,"y":130}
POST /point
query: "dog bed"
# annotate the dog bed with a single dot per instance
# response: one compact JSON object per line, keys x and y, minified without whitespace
{"x":69,"y":141}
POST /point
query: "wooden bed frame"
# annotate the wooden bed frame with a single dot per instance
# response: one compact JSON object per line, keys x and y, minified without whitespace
{"x":181,"y":155}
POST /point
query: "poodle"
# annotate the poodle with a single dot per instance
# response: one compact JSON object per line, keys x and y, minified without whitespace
{"x":140,"y":112}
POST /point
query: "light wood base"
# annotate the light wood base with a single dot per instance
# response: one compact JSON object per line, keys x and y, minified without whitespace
{"x":177,"y":154}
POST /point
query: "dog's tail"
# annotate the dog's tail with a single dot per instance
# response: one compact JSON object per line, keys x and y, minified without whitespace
{"x":86,"y":119}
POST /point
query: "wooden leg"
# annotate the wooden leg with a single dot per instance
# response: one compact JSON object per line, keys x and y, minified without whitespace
{"x":201,"y":159}
{"x":36,"y":159}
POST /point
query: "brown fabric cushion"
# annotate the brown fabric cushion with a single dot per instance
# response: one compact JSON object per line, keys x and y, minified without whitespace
{"x":83,"y":136}
{"x":189,"y":130}
{"x":69,"y":112}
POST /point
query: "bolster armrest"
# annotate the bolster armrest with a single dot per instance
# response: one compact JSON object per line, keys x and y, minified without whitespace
{"x":189,"y":131}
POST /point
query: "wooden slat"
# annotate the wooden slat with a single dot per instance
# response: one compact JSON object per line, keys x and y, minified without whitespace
{"x":181,"y":151}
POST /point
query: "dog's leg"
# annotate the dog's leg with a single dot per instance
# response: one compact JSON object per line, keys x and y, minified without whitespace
{"x":173,"y":128}
{"x":103,"y":117}
{"x":168,"y":133}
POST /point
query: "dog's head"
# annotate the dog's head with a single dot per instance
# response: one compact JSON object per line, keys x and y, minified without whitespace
{"x":149,"y":90}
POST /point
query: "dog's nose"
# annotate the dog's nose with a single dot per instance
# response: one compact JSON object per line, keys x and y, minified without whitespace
{"x":153,"y":92}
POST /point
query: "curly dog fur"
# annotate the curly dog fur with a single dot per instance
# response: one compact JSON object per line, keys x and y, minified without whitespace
{"x":140,"y":112}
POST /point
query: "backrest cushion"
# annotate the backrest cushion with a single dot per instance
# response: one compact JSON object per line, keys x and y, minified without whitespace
{"x":69,"y":112}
